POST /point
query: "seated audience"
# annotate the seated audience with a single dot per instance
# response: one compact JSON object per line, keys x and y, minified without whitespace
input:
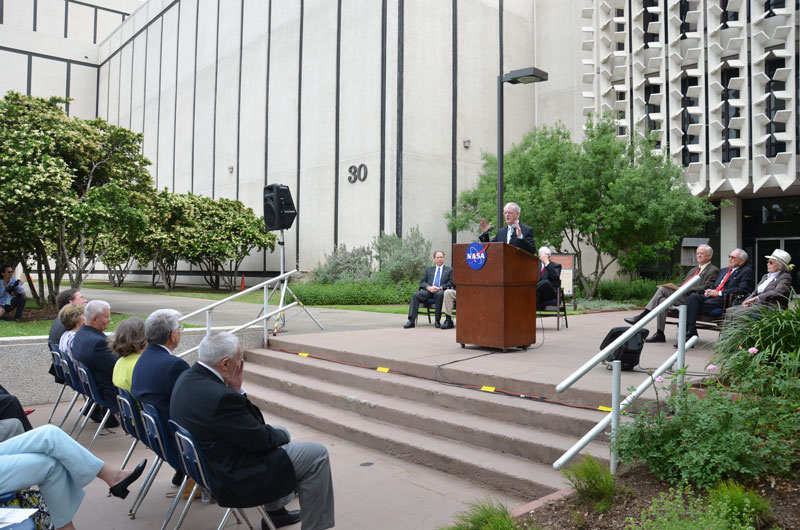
{"x":71,"y":318}
{"x":128,"y":342}
{"x":549,"y":279}
{"x":70,"y":296}
{"x":251,"y":462}
{"x":61,"y":467}
{"x":436,"y":280}
{"x":773,"y":289}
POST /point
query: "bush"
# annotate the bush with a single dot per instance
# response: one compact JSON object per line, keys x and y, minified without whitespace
{"x":484,"y":515}
{"x":403,"y":259}
{"x":742,"y":505}
{"x":718,"y":437}
{"x":345,"y":265}
{"x":681,"y":510}
{"x":365,"y":292}
{"x":639,"y":289}
{"x":593,"y":482}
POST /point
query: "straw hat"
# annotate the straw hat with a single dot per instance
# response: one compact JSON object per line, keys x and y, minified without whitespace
{"x":781,"y":256}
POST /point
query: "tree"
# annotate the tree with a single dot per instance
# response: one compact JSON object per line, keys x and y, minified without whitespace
{"x":225,"y":233}
{"x":624,"y":200}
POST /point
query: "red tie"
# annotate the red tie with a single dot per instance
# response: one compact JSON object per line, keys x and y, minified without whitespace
{"x":725,"y":279}
{"x":692,"y":276}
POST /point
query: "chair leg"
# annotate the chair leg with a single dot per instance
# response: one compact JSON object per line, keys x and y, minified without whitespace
{"x":99,"y":428}
{"x":128,"y":455}
{"x":175,"y":501}
{"x":225,"y":518}
{"x":91,"y":405}
{"x":244,"y":516}
{"x":69,"y":409}
{"x":148,"y":481}
{"x":265,"y":518}
{"x":186,"y":507}
{"x":58,"y":400}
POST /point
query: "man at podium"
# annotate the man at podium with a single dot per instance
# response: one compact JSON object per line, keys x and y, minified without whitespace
{"x":515,"y":234}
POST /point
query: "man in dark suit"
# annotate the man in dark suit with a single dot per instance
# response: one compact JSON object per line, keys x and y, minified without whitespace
{"x":515,"y":233}
{"x":437,"y":278}
{"x":90,"y":346}
{"x":735,"y":279}
{"x":156,"y":371}
{"x":251,"y":462}
{"x":708,"y":274}
{"x":549,"y":279}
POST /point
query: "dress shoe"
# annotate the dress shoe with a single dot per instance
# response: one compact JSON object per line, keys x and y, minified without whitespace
{"x":282,"y":517}
{"x":689,"y":335}
{"x":658,"y":336}
{"x":637,"y":318}
{"x":177,"y":478}
{"x":409,"y":324}
{"x":448,"y":324}
{"x":112,"y":422}
{"x":120,"y":489}
{"x":437,"y":324}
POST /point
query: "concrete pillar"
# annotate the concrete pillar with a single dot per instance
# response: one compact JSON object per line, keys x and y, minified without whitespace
{"x":730,"y":235}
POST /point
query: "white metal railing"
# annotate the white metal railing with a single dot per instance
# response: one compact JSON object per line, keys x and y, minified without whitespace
{"x":264,"y":317}
{"x":616,"y":406}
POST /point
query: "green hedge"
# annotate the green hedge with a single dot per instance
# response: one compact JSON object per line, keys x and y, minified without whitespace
{"x":358,"y":293}
{"x":640,"y":290}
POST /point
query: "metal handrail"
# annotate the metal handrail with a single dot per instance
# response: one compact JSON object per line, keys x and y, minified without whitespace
{"x":616,"y":406}
{"x":263,"y":285}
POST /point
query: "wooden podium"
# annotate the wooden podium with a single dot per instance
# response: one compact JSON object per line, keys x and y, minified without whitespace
{"x":496,"y":303}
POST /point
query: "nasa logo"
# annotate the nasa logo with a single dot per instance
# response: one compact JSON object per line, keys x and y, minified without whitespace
{"x":476,"y":256}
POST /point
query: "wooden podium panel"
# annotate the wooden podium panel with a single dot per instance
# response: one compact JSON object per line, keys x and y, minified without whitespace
{"x":497,"y":303}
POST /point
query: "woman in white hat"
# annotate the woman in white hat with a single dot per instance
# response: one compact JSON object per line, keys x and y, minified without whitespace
{"x":772,"y":289}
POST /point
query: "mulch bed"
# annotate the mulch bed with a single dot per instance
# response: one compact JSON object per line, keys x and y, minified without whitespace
{"x":637,"y":488}
{"x":34,"y":314}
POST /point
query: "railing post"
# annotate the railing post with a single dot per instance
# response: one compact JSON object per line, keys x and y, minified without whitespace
{"x":208,"y":322}
{"x":266,"y":312}
{"x":616,"y":383}
{"x":681,"y":343}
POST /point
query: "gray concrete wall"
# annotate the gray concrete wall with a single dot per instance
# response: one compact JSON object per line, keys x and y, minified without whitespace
{"x":24,"y":362}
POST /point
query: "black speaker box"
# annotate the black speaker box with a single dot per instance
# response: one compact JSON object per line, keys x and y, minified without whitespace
{"x":279,"y":210}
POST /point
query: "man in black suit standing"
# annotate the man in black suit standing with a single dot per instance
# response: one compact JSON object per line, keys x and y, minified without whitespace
{"x":549,"y":279}
{"x":735,"y":279}
{"x":515,"y":234}
{"x":437,"y":278}
{"x":251,"y":462}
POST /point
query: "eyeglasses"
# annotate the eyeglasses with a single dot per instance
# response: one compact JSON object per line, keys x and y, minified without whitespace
{"x":733,"y":257}
{"x":179,"y":328}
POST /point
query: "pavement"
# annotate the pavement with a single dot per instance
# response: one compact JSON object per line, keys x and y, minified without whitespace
{"x":373,"y":490}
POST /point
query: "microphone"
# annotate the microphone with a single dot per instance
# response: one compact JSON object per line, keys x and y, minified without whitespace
{"x":486,"y":233}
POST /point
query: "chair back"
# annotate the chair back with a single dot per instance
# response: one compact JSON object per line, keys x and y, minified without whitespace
{"x":90,"y":385}
{"x":192,"y":457}
{"x":156,"y":435}
{"x":71,"y":375}
{"x":131,"y":418}
{"x":57,"y":366}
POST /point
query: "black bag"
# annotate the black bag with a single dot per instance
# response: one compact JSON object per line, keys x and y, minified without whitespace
{"x":630,"y":351}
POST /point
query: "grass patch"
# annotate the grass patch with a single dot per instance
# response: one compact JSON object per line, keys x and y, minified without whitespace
{"x":593,"y":483}
{"x":42,"y":327}
{"x":484,"y":515}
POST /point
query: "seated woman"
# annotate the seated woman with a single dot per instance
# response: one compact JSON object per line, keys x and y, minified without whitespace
{"x":128,"y":342}
{"x":61,"y":467}
{"x":771,"y":290}
{"x":71,"y":317}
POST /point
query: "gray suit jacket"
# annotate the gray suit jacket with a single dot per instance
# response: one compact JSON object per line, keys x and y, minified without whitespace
{"x":776,"y":291}
{"x":707,"y":278}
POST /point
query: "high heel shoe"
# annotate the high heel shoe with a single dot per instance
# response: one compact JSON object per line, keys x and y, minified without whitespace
{"x":120,"y":489}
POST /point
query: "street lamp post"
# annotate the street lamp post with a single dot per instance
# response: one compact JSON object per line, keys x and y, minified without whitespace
{"x":525,"y":76}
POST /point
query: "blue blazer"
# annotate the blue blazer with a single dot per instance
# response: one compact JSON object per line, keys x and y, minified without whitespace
{"x":154,"y":377}
{"x":90,"y":347}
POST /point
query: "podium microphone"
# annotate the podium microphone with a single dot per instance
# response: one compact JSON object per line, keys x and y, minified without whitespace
{"x":486,"y":233}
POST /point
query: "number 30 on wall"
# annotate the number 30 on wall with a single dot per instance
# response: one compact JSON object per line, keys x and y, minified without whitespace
{"x":355,"y":173}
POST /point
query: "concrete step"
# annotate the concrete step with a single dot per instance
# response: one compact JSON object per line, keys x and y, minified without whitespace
{"x":570,"y":421}
{"x":511,"y":474}
{"x":463,"y":427}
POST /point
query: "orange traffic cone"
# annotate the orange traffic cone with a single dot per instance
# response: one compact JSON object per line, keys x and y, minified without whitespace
{"x":242,"y":287}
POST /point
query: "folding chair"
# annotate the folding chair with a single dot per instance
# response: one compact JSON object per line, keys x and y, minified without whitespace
{"x":59,"y":369}
{"x":196,"y":466}
{"x":71,"y":376}
{"x":90,"y":387}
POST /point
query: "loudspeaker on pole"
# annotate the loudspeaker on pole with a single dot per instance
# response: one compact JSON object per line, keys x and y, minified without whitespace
{"x":279,"y":210}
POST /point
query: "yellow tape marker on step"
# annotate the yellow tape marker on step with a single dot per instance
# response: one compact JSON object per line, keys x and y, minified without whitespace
{"x":487,"y":388}
{"x":604,"y":409}
{"x":382,"y":369}
{"x":303,"y":354}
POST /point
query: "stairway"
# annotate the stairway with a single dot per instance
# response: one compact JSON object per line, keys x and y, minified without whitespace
{"x":499,"y":441}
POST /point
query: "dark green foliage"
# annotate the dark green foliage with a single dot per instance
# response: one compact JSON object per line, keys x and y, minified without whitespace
{"x":637,"y":290}
{"x":403,"y":259}
{"x":681,"y":509}
{"x":484,"y":515}
{"x":345,"y":265}
{"x":742,"y":505}
{"x":593,"y":483}
{"x":354,"y":293}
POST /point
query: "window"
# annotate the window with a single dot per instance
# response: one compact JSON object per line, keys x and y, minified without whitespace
{"x":685,"y":7}
{"x":729,"y":112}
{"x":771,"y":5}
{"x":687,"y":119}
{"x":647,"y":18}
{"x":773,"y":105}
{"x":727,"y":16}
{"x":651,"y":124}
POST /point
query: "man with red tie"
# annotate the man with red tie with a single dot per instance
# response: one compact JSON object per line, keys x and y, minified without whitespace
{"x":549,"y":279}
{"x":707,"y":273}
{"x":736,"y":279}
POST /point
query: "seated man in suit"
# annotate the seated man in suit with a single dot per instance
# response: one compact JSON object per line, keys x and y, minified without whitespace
{"x":437,"y":278}
{"x":773,"y":289}
{"x":251,"y":462}
{"x":516,"y":233}
{"x":735,"y":279}
{"x":156,"y":371}
{"x":707,"y":272}
{"x":90,"y":346}
{"x":549,"y":279}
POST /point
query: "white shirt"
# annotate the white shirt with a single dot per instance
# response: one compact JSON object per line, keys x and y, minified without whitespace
{"x":763,"y":285}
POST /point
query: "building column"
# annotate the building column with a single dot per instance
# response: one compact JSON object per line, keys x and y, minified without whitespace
{"x":730,"y":230}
